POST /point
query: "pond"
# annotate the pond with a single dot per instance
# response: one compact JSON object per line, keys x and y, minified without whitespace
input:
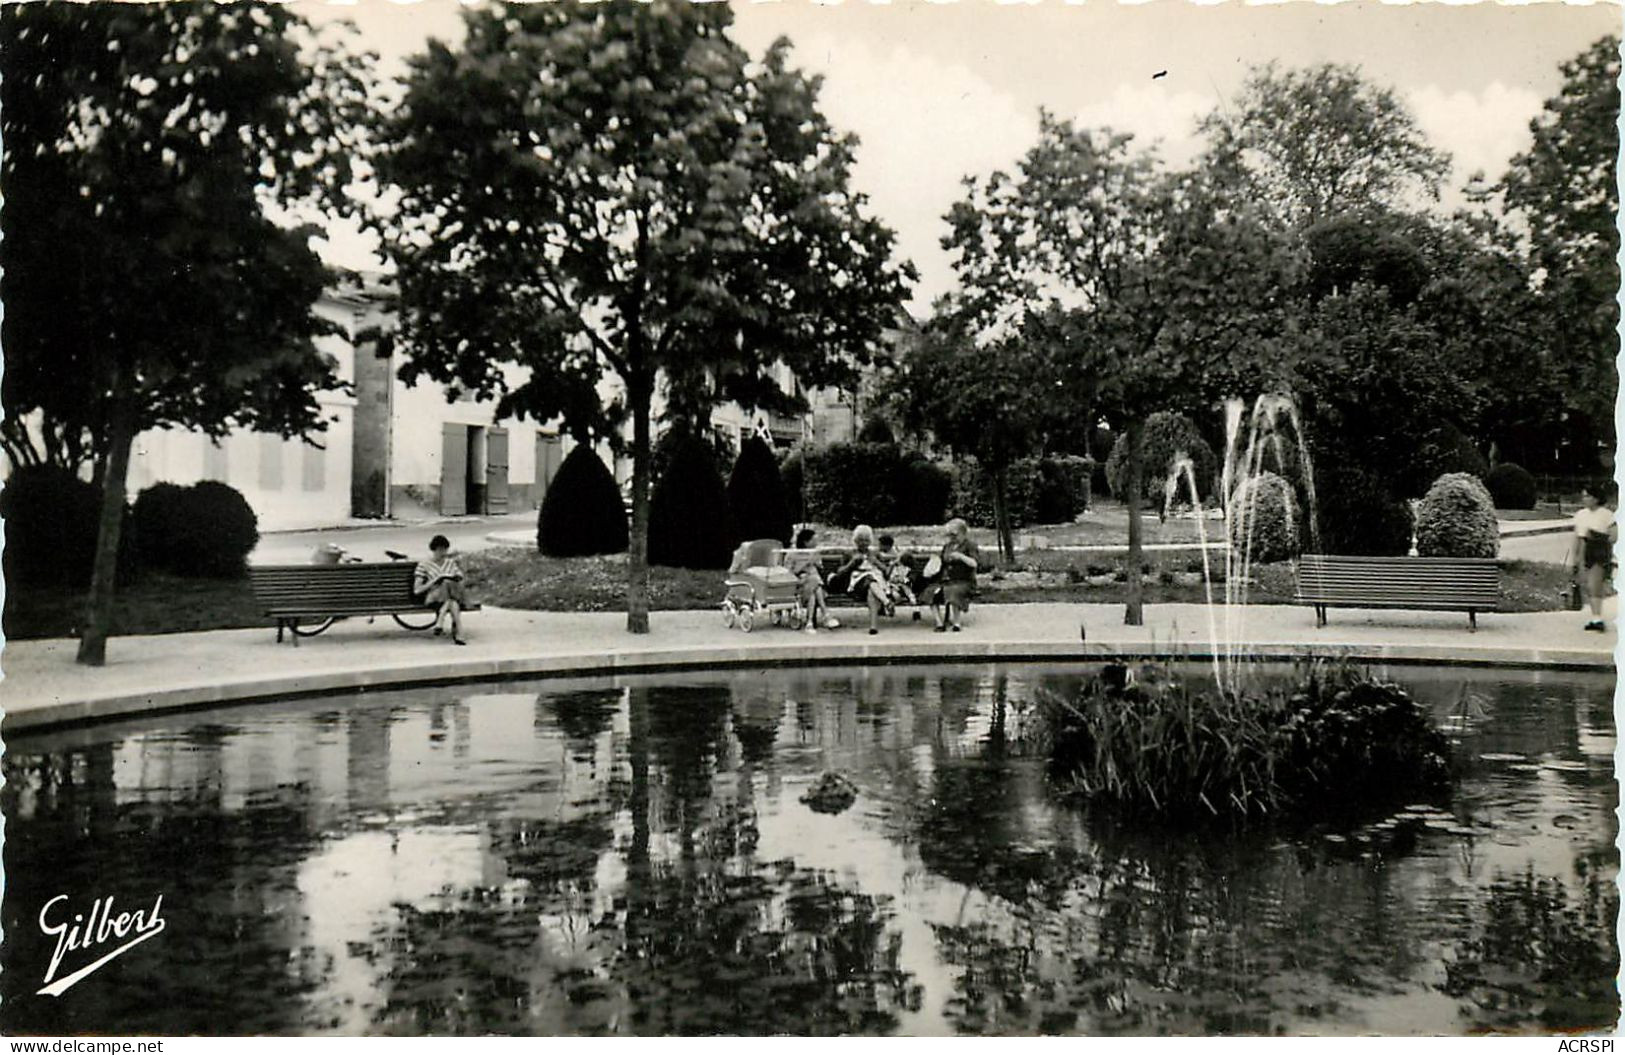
{"x":634,"y":857}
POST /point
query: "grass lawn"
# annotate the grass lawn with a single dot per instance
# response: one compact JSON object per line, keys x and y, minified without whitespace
{"x":523,"y":579}
{"x":158,"y":604}
{"x":1105,"y":524}
{"x":1544,"y":511}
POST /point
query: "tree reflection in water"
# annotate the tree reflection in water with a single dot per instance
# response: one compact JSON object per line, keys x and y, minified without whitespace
{"x":1542,"y":958}
{"x":636,"y":860}
{"x":706,"y":941}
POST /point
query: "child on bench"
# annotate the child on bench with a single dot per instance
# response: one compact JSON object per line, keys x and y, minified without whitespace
{"x":440,"y":580}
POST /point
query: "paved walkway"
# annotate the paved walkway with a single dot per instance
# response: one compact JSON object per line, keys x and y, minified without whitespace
{"x":44,"y":686}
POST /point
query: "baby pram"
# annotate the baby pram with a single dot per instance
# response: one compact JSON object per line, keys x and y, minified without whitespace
{"x":760,"y":589}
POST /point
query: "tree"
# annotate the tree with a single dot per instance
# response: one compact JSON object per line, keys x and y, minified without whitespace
{"x":1151,"y":291}
{"x":145,"y":279}
{"x":1317,"y":143}
{"x":993,"y":402}
{"x":1563,"y":191}
{"x":602,"y":195}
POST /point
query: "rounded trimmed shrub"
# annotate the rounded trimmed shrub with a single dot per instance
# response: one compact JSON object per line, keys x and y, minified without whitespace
{"x":52,"y":520}
{"x":1264,"y":519}
{"x":1512,"y":486}
{"x":1457,"y":519}
{"x":206,"y":530}
{"x":689,"y":522}
{"x":1359,"y":515}
{"x":756,"y":495}
{"x":582,"y":513}
{"x":1166,"y":435}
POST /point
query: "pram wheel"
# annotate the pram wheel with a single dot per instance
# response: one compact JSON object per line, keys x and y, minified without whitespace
{"x":746,"y":620}
{"x":728,"y":614}
{"x":797,"y":618}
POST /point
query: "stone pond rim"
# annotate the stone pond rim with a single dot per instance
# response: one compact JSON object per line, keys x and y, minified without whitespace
{"x":259,"y":688}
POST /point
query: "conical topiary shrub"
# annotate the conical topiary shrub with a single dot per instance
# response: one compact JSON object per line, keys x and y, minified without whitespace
{"x":756,"y":495}
{"x":689,"y":525}
{"x":582,"y":513}
{"x":1456,"y":518}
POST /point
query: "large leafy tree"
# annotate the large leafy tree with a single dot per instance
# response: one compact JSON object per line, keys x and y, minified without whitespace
{"x":151,"y":151}
{"x":995,"y":403}
{"x":1152,"y":290}
{"x":1321,"y":141}
{"x":615,"y":193}
{"x":1563,"y":189}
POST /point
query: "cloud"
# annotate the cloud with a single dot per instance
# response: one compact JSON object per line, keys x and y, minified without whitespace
{"x":1480,"y":130}
{"x":1153,"y":114}
{"x":924,"y":126}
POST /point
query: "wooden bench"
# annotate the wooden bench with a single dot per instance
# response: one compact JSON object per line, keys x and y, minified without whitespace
{"x":831,"y":558}
{"x":318,"y":595}
{"x":1439,"y":584}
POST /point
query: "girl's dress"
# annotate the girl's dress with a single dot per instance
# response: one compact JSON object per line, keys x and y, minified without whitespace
{"x":442,"y":579}
{"x":867,"y":571}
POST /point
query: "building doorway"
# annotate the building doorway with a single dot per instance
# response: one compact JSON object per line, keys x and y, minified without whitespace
{"x":473,"y":469}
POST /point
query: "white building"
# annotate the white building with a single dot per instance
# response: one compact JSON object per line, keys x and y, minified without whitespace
{"x":388,"y":450}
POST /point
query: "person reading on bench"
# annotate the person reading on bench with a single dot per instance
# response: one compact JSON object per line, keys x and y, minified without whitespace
{"x":440,"y":580}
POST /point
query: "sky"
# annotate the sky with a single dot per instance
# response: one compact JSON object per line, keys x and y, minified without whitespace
{"x":936,"y":91}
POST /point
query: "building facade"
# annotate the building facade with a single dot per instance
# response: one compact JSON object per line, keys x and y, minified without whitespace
{"x":389,"y":450}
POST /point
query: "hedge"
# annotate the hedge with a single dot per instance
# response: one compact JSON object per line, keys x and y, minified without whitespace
{"x":52,"y":520}
{"x":1358,"y":515}
{"x":1456,"y":518}
{"x":852,"y":483}
{"x":1038,"y":491}
{"x":923,"y":492}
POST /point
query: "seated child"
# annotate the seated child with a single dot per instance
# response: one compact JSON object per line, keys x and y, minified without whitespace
{"x":440,"y":580}
{"x":810,"y":583}
{"x":890,"y":559}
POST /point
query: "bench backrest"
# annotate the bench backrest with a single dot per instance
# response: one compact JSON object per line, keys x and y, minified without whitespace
{"x":1412,"y":582}
{"x":321,"y":588}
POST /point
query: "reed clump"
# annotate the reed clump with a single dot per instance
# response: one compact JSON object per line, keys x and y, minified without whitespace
{"x":1331,"y":738}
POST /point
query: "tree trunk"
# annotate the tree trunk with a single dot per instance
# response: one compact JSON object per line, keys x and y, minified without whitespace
{"x":1001,"y":514}
{"x":637,"y":558}
{"x":103,"y":579}
{"x":1135,"y":614}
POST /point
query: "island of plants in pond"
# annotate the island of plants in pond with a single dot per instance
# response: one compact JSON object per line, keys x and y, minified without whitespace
{"x":1334,"y":737}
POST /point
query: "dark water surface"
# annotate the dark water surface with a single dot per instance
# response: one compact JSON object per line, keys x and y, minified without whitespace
{"x":635,"y":858}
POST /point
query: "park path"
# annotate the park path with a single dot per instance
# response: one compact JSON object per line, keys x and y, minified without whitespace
{"x":43,"y":685}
